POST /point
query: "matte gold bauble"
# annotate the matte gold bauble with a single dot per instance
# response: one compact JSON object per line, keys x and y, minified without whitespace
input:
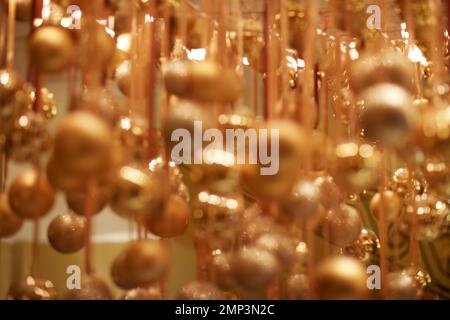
{"x":385,"y":66}
{"x":10,"y":83}
{"x":204,"y":81}
{"x":83,"y":144}
{"x":51,"y":48}
{"x":341,"y":225}
{"x":303,"y":201}
{"x":143,"y":263}
{"x":135,"y":192}
{"x":76,"y":201}
{"x":280,"y":245}
{"x":91,"y":288}
{"x":365,"y":247}
{"x":341,"y":278}
{"x":297,"y":287}
{"x":32,"y":289}
{"x":171,"y":221}
{"x":67,"y":233}
{"x":9,"y":222}
{"x":272,"y":184}
{"x":387,"y":115}
{"x":391,"y":207}
{"x":149,"y":293}
{"x":30,"y":195}
{"x":254,"y":268}
{"x":401,"y":286}
{"x":356,"y":166}
{"x":199,"y":290}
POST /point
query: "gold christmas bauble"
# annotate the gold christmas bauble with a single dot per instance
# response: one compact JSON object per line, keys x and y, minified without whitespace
{"x":400,"y":184}
{"x":10,"y":223}
{"x":67,"y":233}
{"x":341,"y":278}
{"x":303,"y":201}
{"x":169,"y":222}
{"x":30,"y":195}
{"x":391,"y":207}
{"x":401,"y":286}
{"x":59,"y":178}
{"x":341,"y":225}
{"x":142,"y":263}
{"x":76,"y":201}
{"x":280,"y":245}
{"x":330,"y":193}
{"x":83,"y":144}
{"x":32,"y":288}
{"x":51,"y":48}
{"x":200,"y":290}
{"x":91,"y":288}
{"x":365,"y":247}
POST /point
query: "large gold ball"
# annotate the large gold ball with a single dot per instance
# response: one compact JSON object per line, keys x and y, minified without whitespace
{"x":91,"y":288}
{"x":200,"y":290}
{"x":143,"y":263}
{"x":171,"y":221}
{"x":51,"y":48}
{"x":30,"y":195}
{"x":67,"y":233}
{"x":391,"y":207}
{"x":204,"y":81}
{"x":32,"y":288}
{"x":9,"y":222}
{"x":341,"y":225}
{"x":341,"y":278}
{"x":83,"y":144}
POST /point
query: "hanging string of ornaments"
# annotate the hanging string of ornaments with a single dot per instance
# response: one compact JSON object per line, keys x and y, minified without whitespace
{"x":363,"y":116}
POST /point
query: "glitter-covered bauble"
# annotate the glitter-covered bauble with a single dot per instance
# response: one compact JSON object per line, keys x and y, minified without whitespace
{"x":32,"y":288}
{"x":280,"y":245}
{"x":341,"y":225}
{"x":303,"y":201}
{"x":200,"y":290}
{"x":67,"y":233}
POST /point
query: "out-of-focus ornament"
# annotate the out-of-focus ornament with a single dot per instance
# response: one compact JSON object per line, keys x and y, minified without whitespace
{"x":32,"y":288}
{"x":135,"y":192}
{"x":200,"y":290}
{"x":204,"y":81}
{"x":95,"y":37}
{"x":280,"y":245}
{"x":422,"y":278}
{"x":143,"y":263}
{"x":391,"y":207}
{"x":330,"y":193}
{"x":123,"y":77}
{"x":385,"y":66}
{"x":400,"y":181}
{"x":91,"y":288}
{"x":76,"y":201}
{"x":83,"y":144}
{"x":341,"y":278}
{"x":254,"y":268}
{"x":10,"y":83}
{"x":9,"y":222}
{"x":365,"y":247}
{"x":31,"y":195}
{"x":401,"y":286}
{"x":437,"y":173}
{"x":223,"y":273}
{"x":341,"y":225}
{"x":171,"y":221}
{"x":387,"y":115}
{"x":303,"y":200}
{"x":297,"y":287}
{"x":67,"y":233}
{"x":356,"y":166}
{"x":51,"y":48}
{"x":428,"y":214}
{"x":149,"y":293}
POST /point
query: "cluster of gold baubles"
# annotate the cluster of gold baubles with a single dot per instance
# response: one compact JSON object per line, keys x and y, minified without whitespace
{"x":97,"y":159}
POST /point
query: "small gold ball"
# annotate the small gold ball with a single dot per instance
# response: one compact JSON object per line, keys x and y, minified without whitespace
{"x":67,"y":233}
{"x":341,"y":225}
{"x":392,"y":206}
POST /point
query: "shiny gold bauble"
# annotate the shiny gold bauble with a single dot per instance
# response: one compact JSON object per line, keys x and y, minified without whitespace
{"x":341,"y":225}
{"x":83,"y":144}
{"x":387,"y":115}
{"x":51,"y":48}
{"x":387,"y":65}
{"x":200,"y":290}
{"x":204,"y":81}
{"x":171,"y":221}
{"x":401,"y":286}
{"x":30,"y":195}
{"x":365,"y":247}
{"x":297,"y":287}
{"x":340,"y":278}
{"x":391,"y":207}
{"x":32,"y":289}
{"x":254,"y":268}
{"x":356,"y":166}
{"x":91,"y":288}
{"x":270,"y":184}
{"x":143,"y":263}
{"x":10,"y":83}
{"x":303,"y":201}
{"x":135,"y":192}
{"x":400,"y":184}
{"x":149,"y":293}
{"x":428,"y":213}
{"x":280,"y":245}
{"x":76,"y":201}
{"x":9,"y":222}
{"x":67,"y":233}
